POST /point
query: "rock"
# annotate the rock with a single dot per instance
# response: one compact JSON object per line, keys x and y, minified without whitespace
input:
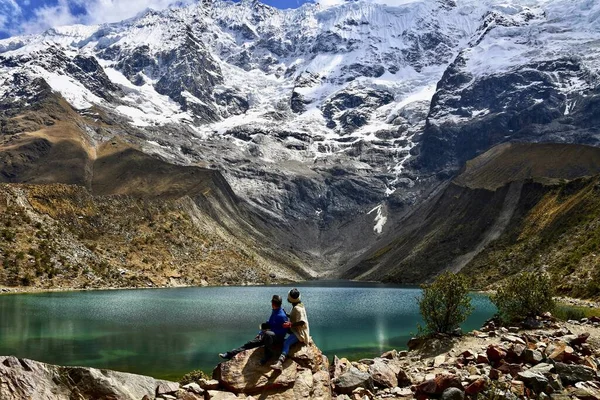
{"x":518,"y":388}
{"x":571,"y":374}
{"x":218,"y":395}
{"x":476,"y":387}
{"x":534,"y":380}
{"x":193,"y":387}
{"x":482,"y":359}
{"x":580,"y":339}
{"x":340,"y":366}
{"x":439,"y":360}
{"x":494,"y":374}
{"x":439,"y":384}
{"x":512,"y":369}
{"x":453,"y":393}
{"x":533,"y":356}
{"x":366,"y":361}
{"x":209,"y":384}
{"x":586,"y":391}
{"x":383,"y":375}
{"x":27,"y":379}
{"x":543,"y":368}
{"x":401,"y":392}
{"x":428,"y":387}
{"x":351,"y":380}
{"x":495,"y":353}
{"x":165,"y":387}
{"x":305,"y":371}
{"x":390,"y":355}
{"x":512,"y":339}
{"x":402,"y":354}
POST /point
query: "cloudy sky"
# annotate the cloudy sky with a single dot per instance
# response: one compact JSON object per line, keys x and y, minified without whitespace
{"x":33,"y":16}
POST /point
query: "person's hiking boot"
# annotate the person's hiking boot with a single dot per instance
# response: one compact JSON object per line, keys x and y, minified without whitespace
{"x":225,"y":356}
{"x":279,"y":364}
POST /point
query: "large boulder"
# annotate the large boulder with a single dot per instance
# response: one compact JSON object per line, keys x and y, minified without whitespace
{"x":351,"y":380}
{"x":383,"y":376}
{"x":27,"y":379}
{"x":305,"y":374}
{"x":571,"y":374}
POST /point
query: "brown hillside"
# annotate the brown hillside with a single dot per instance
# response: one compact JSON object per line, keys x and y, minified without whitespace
{"x":516,"y":207}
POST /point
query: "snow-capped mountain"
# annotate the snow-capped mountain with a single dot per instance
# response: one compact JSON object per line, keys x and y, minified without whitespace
{"x":330,"y":121}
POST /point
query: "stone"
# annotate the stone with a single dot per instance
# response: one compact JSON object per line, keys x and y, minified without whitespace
{"x":383,"y":375}
{"x":518,"y":388}
{"x":494,"y":374}
{"x":219,"y":395}
{"x":453,"y":393}
{"x":543,"y":368}
{"x":482,"y":359}
{"x":512,"y":369}
{"x":495,"y":353}
{"x":208,"y":384}
{"x":351,"y":380}
{"x":476,"y":387}
{"x":193,"y":387}
{"x":401,"y":392}
{"x":445,"y":381}
{"x":533,"y":357}
{"x":28,"y":379}
{"x":571,"y":374}
{"x":534,"y":380}
{"x":390,"y":355}
{"x":305,"y":367}
{"x":586,"y":391}
{"x":165,"y":387}
{"x":340,"y":366}
{"x":512,"y":339}
{"x":439,"y":361}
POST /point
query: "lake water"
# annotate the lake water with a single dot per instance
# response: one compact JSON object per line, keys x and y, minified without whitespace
{"x":168,"y":332}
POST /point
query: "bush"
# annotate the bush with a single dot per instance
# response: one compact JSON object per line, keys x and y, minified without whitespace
{"x":193,"y":376}
{"x":445,"y":304}
{"x":527,"y":294}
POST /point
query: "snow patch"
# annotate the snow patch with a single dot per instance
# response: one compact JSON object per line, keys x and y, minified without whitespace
{"x":380,"y":219}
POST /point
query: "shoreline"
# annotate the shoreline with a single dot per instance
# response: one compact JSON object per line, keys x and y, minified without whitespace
{"x":478,"y":362}
{"x":4,"y":290}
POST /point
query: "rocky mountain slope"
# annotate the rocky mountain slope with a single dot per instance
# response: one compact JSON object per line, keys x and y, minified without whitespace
{"x":516,"y":207}
{"x":330,"y":124}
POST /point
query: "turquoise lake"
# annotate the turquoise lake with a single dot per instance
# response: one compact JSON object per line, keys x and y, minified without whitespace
{"x":168,"y":332}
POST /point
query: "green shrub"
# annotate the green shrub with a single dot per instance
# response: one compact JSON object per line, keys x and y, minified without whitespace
{"x":193,"y":376}
{"x":445,"y":304}
{"x":527,"y":294}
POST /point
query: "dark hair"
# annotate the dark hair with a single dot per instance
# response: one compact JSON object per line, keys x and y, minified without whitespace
{"x":277,"y":300}
{"x":294,"y":293}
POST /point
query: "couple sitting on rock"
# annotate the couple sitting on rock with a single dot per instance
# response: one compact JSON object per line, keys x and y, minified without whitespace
{"x":273,"y":332}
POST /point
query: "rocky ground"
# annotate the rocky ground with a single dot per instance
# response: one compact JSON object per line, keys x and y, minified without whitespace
{"x":551,"y":360}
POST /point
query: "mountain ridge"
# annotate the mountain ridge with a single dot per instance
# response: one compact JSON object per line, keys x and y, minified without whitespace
{"x":331,"y":125}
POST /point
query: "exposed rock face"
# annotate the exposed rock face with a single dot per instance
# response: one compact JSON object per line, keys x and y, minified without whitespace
{"x":305,"y":374}
{"x":27,"y":379}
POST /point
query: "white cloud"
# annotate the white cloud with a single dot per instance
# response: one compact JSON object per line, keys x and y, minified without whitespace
{"x":9,"y":11}
{"x":329,"y":3}
{"x":100,"y":11}
{"x":49,"y":16}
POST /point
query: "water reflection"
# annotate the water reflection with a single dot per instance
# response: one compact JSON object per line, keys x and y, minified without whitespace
{"x":168,"y":332}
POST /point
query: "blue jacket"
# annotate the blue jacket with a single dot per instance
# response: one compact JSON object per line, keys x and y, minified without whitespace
{"x":278,"y":317}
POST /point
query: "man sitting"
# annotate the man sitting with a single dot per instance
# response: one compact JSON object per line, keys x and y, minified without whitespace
{"x":272,"y":333}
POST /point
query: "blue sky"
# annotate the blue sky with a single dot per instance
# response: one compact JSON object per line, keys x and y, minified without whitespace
{"x":34,"y":16}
